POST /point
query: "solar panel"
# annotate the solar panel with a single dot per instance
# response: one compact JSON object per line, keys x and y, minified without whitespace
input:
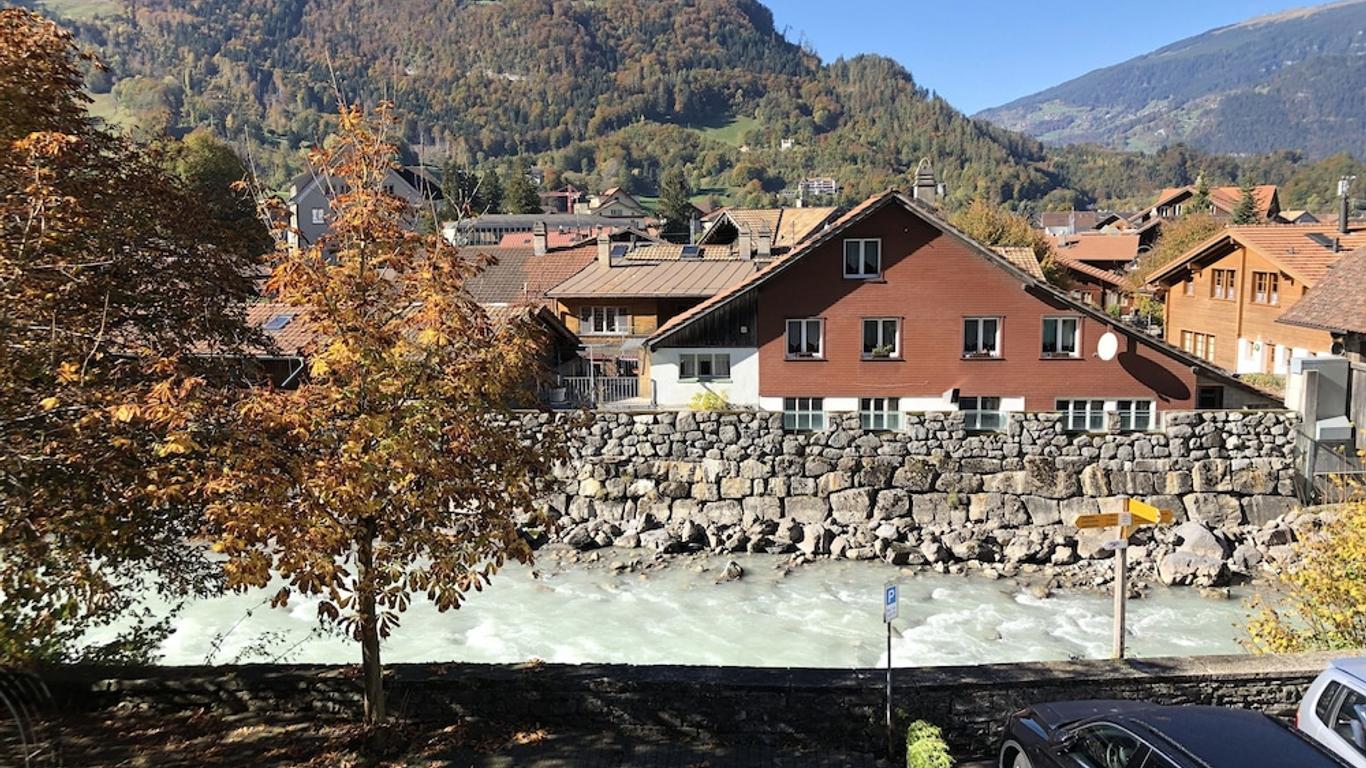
{"x":691,"y":252}
{"x":278,"y":322}
{"x":1321,"y":239}
{"x":619,"y":250}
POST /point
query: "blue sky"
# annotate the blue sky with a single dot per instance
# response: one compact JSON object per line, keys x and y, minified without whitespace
{"x":983,"y":53}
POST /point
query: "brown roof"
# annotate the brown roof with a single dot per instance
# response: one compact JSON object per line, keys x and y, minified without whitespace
{"x":1103,"y":275}
{"x":1078,"y":219}
{"x":1224,"y":198}
{"x":1304,"y":251}
{"x":674,"y":252}
{"x":683,"y":279}
{"x":1098,"y":246}
{"x":789,"y":226}
{"x":1338,"y":301}
{"x":293,"y":337}
{"x":520,"y":275}
{"x":1023,"y":257}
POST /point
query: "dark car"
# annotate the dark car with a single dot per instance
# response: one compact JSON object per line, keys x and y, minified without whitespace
{"x":1133,"y":734}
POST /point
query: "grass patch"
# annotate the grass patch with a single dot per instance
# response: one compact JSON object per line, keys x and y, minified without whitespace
{"x":105,"y":107}
{"x":730,"y":132}
{"x":82,"y":9}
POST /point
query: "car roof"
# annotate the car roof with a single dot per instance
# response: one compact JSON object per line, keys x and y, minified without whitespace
{"x":1354,"y":666}
{"x":1221,"y":737}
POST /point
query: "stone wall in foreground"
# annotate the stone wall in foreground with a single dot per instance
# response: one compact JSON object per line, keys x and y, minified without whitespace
{"x":807,"y":708}
{"x":931,"y":493}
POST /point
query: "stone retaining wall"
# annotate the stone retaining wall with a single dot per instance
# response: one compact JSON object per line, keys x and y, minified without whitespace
{"x":932,"y":493}
{"x":808,"y":708}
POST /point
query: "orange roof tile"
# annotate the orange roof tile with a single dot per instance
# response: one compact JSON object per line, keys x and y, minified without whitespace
{"x":1103,"y":275}
{"x":1338,"y":301}
{"x":1304,"y":251}
{"x":675,"y":278}
{"x":1023,"y":257}
{"x":521,"y":275}
{"x":1099,"y":246}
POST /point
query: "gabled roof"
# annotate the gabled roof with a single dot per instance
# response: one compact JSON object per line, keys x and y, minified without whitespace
{"x":931,"y":216}
{"x":789,"y":226}
{"x":1096,"y":273}
{"x":520,"y":275}
{"x":1098,"y":246}
{"x":1338,"y":301}
{"x":1224,"y":198}
{"x":664,"y":279}
{"x":1081,"y":220}
{"x":420,"y":179}
{"x":1303,"y":251}
{"x":1023,"y":257}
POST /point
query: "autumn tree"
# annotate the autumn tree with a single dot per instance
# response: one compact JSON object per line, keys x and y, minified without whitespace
{"x":1319,"y":603}
{"x":1246,"y":210}
{"x":675,"y":206}
{"x":993,"y":225}
{"x":1174,"y":239}
{"x":390,"y":472}
{"x":107,"y":291}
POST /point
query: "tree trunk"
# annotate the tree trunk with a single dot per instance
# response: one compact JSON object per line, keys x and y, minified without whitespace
{"x":371,"y":667}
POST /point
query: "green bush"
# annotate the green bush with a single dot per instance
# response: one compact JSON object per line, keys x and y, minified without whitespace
{"x":709,"y":401}
{"x":925,"y":747}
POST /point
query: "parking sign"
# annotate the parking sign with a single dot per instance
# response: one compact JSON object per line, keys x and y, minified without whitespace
{"x":889,"y":602}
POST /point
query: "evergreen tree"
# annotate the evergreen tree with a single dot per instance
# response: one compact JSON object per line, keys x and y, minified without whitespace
{"x":520,"y":195}
{"x":1199,"y":202}
{"x":1246,"y":212}
{"x":461,"y":190}
{"x":489,"y":197}
{"x":675,"y":206}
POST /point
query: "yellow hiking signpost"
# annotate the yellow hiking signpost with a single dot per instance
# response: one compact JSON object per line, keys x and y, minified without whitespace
{"x":1135,"y":514}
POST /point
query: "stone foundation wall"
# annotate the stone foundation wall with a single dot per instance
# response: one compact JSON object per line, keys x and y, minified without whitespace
{"x":817,"y":709}
{"x":932,"y":494}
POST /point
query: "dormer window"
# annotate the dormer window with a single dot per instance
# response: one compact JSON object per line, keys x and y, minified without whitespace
{"x":863,"y":259}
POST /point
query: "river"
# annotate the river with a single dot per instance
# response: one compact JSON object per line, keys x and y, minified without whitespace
{"x":823,"y":614}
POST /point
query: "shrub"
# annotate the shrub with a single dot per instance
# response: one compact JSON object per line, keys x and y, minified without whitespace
{"x":709,"y":401}
{"x":925,"y":747}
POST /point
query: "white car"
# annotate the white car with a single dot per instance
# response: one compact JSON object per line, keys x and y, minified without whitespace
{"x":1333,"y":711}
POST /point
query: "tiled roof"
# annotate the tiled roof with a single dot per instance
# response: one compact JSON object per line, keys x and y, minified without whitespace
{"x":1304,"y":251}
{"x":293,"y":337}
{"x":1338,"y":301}
{"x":1103,"y":275}
{"x":1023,"y":257}
{"x":1098,"y":246}
{"x":789,"y":226}
{"x":520,"y":275}
{"x":674,"y":252}
{"x":555,"y":238}
{"x":629,"y":278}
{"x":1082,"y":220}
{"x":1225,"y":198}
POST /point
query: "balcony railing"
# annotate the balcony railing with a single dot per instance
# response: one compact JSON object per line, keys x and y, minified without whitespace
{"x":594,"y":391}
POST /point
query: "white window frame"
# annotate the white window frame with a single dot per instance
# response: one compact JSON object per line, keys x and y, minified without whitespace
{"x":980,"y":354}
{"x":881,"y":329}
{"x":1089,"y":418}
{"x":694,"y":360}
{"x":1058,"y":337}
{"x":805,"y":324}
{"x":803,"y":414}
{"x":318,"y":216}
{"x":1130,"y":412}
{"x":1270,"y":294}
{"x":861,"y":272}
{"x":879,"y":414}
{"x":976,"y":418}
{"x":589,"y":316}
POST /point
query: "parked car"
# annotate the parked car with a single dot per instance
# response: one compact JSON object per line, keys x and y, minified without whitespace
{"x":1333,"y":711}
{"x":1134,"y":734}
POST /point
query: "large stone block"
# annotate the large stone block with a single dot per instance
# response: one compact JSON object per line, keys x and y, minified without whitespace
{"x":892,"y":503}
{"x":760,"y":508}
{"x":1042,"y":511}
{"x":723,"y":512}
{"x":917,"y":476}
{"x":852,"y":506}
{"x":1261,"y":510}
{"x":1211,"y":475}
{"x":806,"y":509}
{"x":832,"y":482}
{"x":735,"y":487}
{"x":1217,"y":510}
{"x":930,"y":508}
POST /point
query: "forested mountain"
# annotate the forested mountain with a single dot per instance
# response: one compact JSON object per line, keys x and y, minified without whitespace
{"x":1294,"y":80}
{"x":598,"y":92}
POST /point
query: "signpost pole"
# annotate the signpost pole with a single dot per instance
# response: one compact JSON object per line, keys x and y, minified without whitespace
{"x":1121,"y":592}
{"x":890,"y":608}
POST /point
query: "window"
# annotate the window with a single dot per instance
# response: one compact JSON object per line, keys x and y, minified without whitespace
{"x":1105,"y":746}
{"x":1061,"y":336}
{"x":704,"y":366}
{"x":879,"y":414}
{"x":1350,"y":720}
{"x":1083,"y":415}
{"x":804,"y":338}
{"x":318,"y":216}
{"x":862,"y":258}
{"x":1207,"y":398}
{"x":1323,"y":708}
{"x":601,"y":320}
{"x":1135,"y":415}
{"x":1266,"y":288}
{"x":881,"y":338}
{"x":1199,"y":344}
{"x":982,"y":414}
{"x":982,"y":337}
{"x":1222,"y":286}
{"x":803,"y":414}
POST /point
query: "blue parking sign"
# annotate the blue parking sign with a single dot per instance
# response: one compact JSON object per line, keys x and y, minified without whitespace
{"x":889,"y":602}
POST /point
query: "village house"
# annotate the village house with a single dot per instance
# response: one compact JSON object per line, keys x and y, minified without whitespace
{"x":1223,"y":201}
{"x":613,"y":203}
{"x":1114,"y":252}
{"x":310,"y":200}
{"x":892,"y":310}
{"x":494,"y":228}
{"x":763,"y":232}
{"x":1224,"y":296}
{"x":1337,"y":306}
{"x":1056,"y":223}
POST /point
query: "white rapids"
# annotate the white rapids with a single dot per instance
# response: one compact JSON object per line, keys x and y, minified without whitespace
{"x":823,"y":614}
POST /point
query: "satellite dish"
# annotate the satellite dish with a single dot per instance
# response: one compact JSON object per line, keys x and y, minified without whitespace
{"x":1107,"y":346}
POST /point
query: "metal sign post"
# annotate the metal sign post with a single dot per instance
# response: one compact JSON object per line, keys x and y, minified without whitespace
{"x":890,"y":609}
{"x":1135,"y":514}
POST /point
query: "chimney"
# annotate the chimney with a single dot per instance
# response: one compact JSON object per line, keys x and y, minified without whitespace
{"x":744,"y":244}
{"x":1344,"y":202}
{"x":765,"y":247}
{"x":604,"y":249}
{"x":538,"y":239}
{"x":926,"y":189}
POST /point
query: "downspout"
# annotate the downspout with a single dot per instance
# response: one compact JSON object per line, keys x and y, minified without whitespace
{"x":293,"y":375}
